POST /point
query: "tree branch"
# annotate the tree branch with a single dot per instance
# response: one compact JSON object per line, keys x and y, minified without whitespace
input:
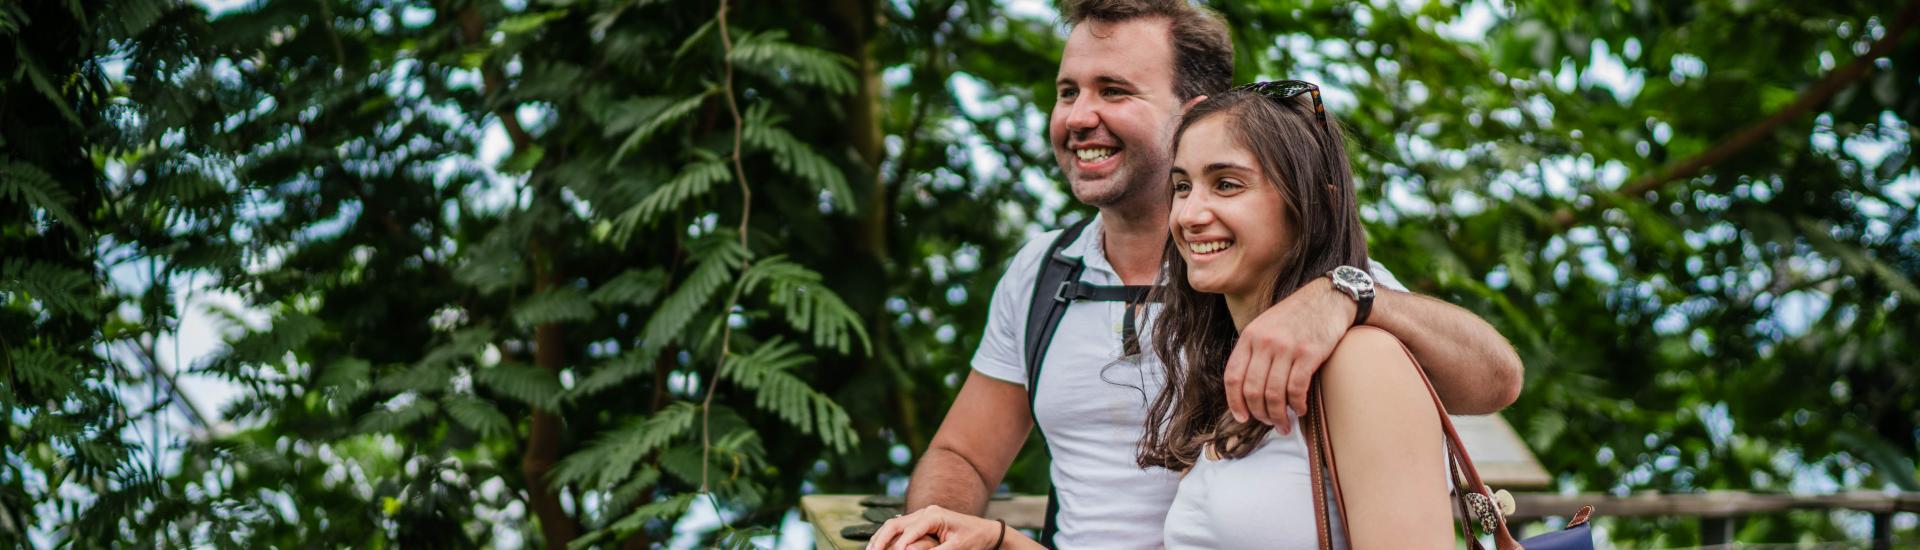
{"x":1821,"y":91}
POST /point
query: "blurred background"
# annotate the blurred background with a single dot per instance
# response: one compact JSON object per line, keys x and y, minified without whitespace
{"x":487,"y":273}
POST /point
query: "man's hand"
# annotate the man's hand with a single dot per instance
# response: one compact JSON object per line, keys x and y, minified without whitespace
{"x":954,"y":531}
{"x":1273,"y":362}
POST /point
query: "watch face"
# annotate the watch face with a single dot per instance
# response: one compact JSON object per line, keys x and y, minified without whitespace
{"x":1353,"y":277}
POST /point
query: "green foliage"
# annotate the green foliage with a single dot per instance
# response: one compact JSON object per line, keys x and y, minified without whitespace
{"x":765,"y":370}
{"x":562,"y":301}
{"x":809,"y":306}
{"x":25,"y":183}
{"x":609,"y":459}
{"x":715,"y":258}
{"x":763,"y":132}
{"x":523,"y":383}
{"x":770,"y":54}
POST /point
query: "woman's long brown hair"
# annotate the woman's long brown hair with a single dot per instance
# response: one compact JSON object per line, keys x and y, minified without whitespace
{"x":1193,"y":333}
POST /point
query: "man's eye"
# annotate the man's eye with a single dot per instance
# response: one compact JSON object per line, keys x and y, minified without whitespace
{"x":1068,"y":93}
{"x":1113,"y":92}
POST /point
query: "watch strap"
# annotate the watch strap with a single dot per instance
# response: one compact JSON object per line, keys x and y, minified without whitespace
{"x":1363,"y":305}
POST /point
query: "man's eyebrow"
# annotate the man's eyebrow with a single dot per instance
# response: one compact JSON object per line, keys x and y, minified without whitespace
{"x":1102,"y":79}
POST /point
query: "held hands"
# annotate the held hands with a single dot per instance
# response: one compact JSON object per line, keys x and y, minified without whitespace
{"x":1273,"y":362}
{"x":953,"y":530}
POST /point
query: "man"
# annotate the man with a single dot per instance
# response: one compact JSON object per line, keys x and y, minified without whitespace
{"x":1129,"y":70}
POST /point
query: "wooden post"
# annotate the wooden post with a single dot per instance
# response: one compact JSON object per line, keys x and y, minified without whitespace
{"x":1716,"y":531}
{"x":1883,"y":531}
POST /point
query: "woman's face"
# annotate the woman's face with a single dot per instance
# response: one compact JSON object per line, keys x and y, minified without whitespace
{"x":1228,"y":219}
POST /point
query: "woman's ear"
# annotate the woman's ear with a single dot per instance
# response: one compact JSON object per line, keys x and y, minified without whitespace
{"x":1190,"y":103}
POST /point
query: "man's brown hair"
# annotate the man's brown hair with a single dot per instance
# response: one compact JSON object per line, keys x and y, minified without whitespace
{"x":1202,"y":49}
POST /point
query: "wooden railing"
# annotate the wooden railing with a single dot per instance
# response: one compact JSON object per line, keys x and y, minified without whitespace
{"x":1504,"y":462}
{"x":1718,"y":511}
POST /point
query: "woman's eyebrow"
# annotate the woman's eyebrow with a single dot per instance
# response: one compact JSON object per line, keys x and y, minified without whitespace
{"x":1218,"y":166}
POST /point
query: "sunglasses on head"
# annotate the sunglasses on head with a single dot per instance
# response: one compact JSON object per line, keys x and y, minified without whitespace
{"x":1286,"y":89}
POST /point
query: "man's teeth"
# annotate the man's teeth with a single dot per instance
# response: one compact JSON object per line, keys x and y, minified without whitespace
{"x":1209,"y":247}
{"x":1094,"y":154}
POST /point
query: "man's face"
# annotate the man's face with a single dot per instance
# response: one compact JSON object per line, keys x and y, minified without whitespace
{"x":1116,"y":112}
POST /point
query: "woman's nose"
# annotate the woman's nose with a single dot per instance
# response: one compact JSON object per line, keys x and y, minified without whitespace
{"x":1192,"y":212}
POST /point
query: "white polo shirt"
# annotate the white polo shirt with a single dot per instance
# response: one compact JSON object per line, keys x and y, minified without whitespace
{"x":1092,"y":402}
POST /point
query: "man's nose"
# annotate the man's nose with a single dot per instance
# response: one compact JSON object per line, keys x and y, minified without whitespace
{"x":1083,"y":116}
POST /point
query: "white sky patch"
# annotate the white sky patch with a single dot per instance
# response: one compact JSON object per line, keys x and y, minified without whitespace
{"x":1030,"y":9}
{"x":1606,"y":70}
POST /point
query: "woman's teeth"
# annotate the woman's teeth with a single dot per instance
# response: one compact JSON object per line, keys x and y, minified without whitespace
{"x":1094,"y":154}
{"x":1209,"y":247}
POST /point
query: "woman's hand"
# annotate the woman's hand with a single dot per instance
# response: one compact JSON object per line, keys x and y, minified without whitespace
{"x":954,"y":530}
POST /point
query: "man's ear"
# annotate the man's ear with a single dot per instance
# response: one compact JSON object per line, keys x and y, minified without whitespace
{"x":1190,"y":103}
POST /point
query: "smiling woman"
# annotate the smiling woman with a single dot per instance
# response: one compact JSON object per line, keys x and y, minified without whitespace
{"x":1263,"y":203}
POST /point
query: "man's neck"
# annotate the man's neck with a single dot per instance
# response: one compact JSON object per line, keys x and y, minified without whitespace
{"x":1134,"y":239}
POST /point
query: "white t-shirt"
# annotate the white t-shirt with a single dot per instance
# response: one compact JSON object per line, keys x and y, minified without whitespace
{"x":1092,"y":402}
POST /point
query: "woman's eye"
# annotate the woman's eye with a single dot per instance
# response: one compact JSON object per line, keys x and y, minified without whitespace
{"x":1182,"y":187}
{"x":1227,"y":185}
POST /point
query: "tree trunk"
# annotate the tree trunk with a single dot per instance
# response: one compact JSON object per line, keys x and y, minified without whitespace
{"x":543,"y":435}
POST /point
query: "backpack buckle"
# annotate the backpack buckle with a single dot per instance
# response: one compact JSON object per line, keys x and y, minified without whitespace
{"x":1060,"y":294}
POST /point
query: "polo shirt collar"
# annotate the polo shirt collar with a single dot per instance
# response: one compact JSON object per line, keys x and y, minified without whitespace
{"x":1091,"y":248}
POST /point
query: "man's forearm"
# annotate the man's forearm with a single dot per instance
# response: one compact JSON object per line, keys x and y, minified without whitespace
{"x":947,"y":479}
{"x":1473,"y":367}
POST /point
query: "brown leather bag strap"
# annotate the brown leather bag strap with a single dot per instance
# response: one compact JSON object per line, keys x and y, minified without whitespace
{"x":1466,"y":478}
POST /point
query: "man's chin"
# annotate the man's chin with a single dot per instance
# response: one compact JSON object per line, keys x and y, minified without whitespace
{"x":1098,"y":191}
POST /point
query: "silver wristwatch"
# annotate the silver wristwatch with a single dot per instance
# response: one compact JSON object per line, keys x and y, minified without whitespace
{"x":1356,"y":283}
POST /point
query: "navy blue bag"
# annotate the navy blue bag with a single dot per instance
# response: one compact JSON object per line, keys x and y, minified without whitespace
{"x":1478,"y":505}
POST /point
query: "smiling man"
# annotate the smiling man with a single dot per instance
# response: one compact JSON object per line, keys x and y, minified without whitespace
{"x":1129,"y":70}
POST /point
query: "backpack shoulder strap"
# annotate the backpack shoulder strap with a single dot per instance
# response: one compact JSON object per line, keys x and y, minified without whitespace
{"x":1048,"y":306}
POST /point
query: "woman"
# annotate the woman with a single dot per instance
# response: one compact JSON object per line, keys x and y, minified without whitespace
{"x":1263,"y":206}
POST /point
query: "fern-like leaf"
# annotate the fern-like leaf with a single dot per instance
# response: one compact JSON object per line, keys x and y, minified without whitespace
{"x":809,"y":306}
{"x":345,"y":380}
{"x":636,"y":520}
{"x":762,"y":132}
{"x":695,"y":180}
{"x":770,"y":54}
{"x":765,"y":371}
{"x":611,"y":457}
{"x":22,"y":182}
{"x":478,"y":415}
{"x":45,"y":371}
{"x":635,"y":287}
{"x":612,"y":373}
{"x":557,"y":305}
{"x":57,"y":288}
{"x":716,"y":256}
{"x":385,"y":420}
{"x":428,"y":378}
{"x":644,"y":117}
{"x":526,"y":384}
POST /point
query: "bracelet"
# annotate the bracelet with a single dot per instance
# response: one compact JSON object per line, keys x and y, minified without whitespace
{"x":1003,"y":534}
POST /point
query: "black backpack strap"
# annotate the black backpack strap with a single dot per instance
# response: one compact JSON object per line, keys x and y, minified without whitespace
{"x":1058,"y":273}
{"x":1057,"y":287}
{"x":1048,"y":306}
